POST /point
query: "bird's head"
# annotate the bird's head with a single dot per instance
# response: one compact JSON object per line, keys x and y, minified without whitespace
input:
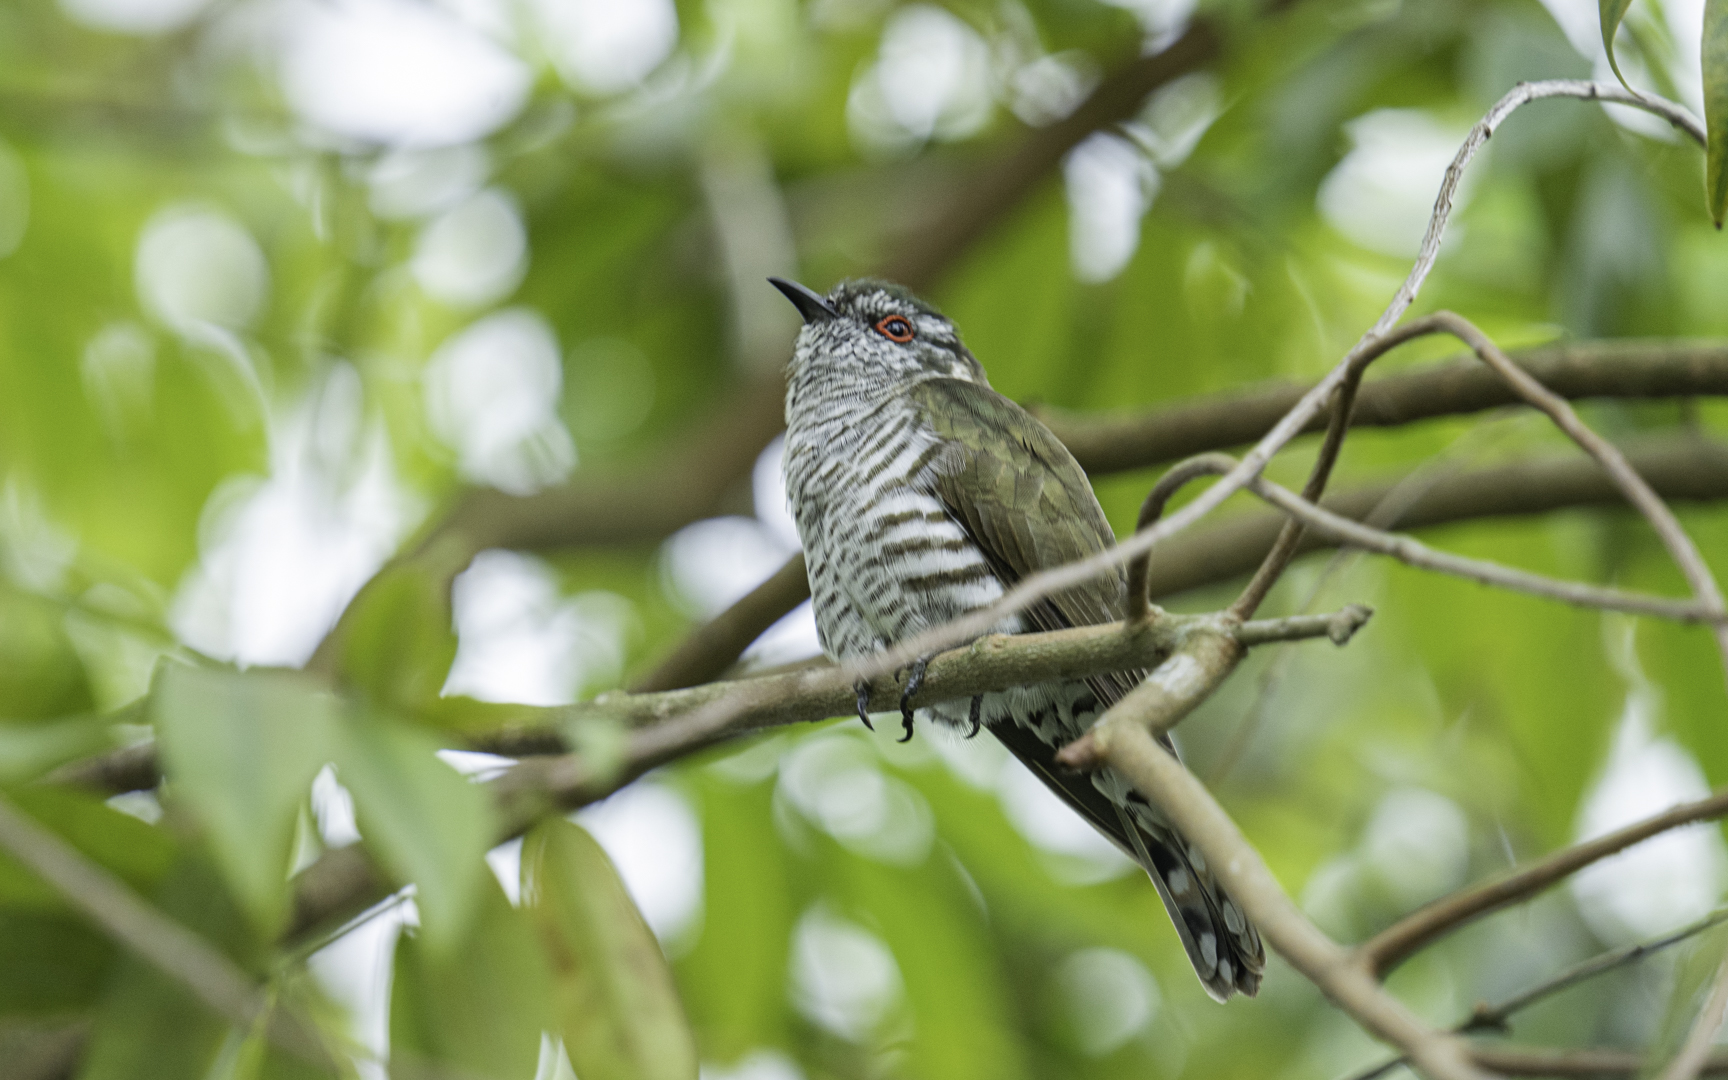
{"x":876,"y":333}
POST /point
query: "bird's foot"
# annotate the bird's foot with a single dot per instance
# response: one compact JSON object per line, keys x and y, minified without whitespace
{"x":862,"y":689}
{"x":976,"y":716}
{"x":914,"y":680}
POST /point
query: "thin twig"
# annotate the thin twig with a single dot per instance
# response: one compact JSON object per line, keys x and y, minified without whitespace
{"x":1519,"y":96}
{"x":1695,"y":1051}
{"x":1386,"y":513}
{"x":1680,"y":546}
{"x":1391,"y":946}
{"x":1381,"y":335}
{"x":1418,"y":554}
{"x":1343,"y":404}
{"x":1495,"y":1017}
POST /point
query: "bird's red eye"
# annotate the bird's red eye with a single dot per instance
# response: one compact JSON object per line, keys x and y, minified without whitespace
{"x":895,"y":328}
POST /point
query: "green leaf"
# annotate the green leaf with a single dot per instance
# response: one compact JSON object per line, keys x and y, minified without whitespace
{"x":240,"y":751}
{"x":734,"y":978}
{"x":401,"y":641}
{"x":1612,"y":12}
{"x":41,"y":674}
{"x":618,"y":1010}
{"x":426,"y":822}
{"x":29,"y":750}
{"x":478,"y":1009}
{"x":1715,"y":61}
{"x":50,"y":963}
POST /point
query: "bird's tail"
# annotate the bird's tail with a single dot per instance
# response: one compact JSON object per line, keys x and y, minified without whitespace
{"x":1221,"y":943}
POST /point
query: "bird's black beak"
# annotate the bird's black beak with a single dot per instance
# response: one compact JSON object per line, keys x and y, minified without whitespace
{"x":809,"y":304}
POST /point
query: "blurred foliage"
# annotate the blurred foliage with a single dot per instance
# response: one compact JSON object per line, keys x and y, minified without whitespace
{"x":245,"y":357}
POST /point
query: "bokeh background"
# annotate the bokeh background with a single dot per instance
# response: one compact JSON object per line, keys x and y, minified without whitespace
{"x":281,"y":279}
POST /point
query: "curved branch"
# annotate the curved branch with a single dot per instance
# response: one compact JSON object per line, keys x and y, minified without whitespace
{"x":1682,"y":468}
{"x":1674,"y":537}
{"x":1415,"y":553}
{"x":1343,"y":403}
{"x":1391,"y":946}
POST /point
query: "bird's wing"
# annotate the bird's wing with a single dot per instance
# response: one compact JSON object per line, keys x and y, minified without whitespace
{"x":1027,"y":504}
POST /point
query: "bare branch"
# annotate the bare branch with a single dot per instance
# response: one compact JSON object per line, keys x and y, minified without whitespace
{"x":1494,"y":1017}
{"x":1684,"y":467}
{"x":1679,"y":468}
{"x":1680,"y":546}
{"x":1343,"y":403}
{"x":1415,"y":553}
{"x":1391,"y":946}
{"x":1155,"y":773}
{"x":1520,"y":95}
{"x":1105,"y":444}
{"x":669,"y":725}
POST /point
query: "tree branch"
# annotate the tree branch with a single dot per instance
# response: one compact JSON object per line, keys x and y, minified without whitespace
{"x":669,"y":725}
{"x":1417,"y":554}
{"x":1416,"y":931}
{"x":1487,"y":1017}
{"x":1155,"y":773}
{"x":1518,"y":1061}
{"x":1679,"y":467}
{"x":1627,"y":369}
{"x":1680,"y":546}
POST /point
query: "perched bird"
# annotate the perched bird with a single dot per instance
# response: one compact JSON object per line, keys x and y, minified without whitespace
{"x":921,"y":494}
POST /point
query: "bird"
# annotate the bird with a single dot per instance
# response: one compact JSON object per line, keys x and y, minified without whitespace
{"x":920,"y":495}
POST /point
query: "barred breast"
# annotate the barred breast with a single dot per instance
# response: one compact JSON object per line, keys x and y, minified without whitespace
{"x":886,"y":560}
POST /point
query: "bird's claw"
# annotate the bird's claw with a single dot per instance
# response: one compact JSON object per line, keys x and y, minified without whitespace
{"x":977,"y":715}
{"x":914,"y":680}
{"x":862,"y":689}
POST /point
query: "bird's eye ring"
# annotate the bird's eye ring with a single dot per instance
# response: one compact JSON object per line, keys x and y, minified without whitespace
{"x":895,"y":328}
